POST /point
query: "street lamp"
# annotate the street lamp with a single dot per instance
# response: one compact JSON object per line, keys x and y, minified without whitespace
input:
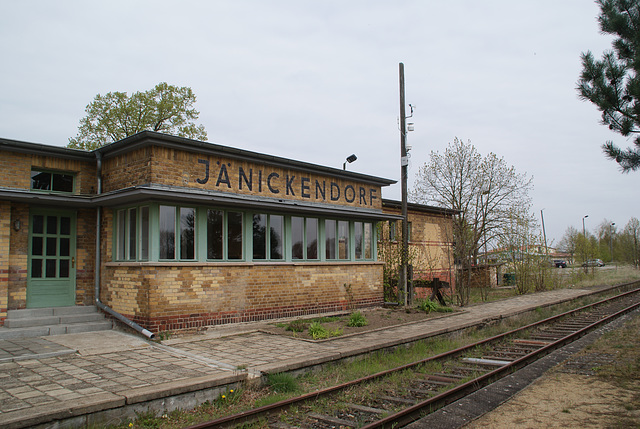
{"x":350,"y":159}
{"x":583,"y":230}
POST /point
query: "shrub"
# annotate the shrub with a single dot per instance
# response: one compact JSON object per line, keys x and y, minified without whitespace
{"x":357,"y":319}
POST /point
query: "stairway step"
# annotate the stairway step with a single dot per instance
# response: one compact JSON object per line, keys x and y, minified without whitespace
{"x":43,"y":331}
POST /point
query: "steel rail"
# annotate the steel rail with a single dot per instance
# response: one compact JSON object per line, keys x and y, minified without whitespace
{"x":408,"y":415}
{"x":415,"y":412}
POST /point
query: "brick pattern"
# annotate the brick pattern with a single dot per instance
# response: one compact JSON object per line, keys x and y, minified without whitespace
{"x":19,"y":247}
{"x":172,"y":167}
{"x":431,"y":244}
{"x":179,"y":296}
{"x":5,"y":234}
{"x":20,"y":165}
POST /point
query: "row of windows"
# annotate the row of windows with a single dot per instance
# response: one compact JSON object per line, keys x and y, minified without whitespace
{"x":185,"y":233}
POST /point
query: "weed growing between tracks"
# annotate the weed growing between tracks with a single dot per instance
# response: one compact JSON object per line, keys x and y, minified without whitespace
{"x":251,"y":397}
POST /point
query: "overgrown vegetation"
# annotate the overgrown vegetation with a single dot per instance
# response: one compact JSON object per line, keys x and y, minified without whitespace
{"x":283,"y":386}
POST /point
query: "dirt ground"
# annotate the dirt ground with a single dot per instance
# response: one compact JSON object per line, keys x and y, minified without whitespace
{"x":596,"y":388}
{"x":560,"y":400}
{"x":377,"y":318}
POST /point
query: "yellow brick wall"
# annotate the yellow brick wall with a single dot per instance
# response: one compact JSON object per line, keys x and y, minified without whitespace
{"x":18,"y":257}
{"x":20,"y":165}
{"x":430,"y":245}
{"x":169,"y":297}
{"x":171,"y":167}
{"x":5,"y":235}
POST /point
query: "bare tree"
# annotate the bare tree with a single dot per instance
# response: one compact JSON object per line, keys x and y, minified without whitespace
{"x":483,"y":190}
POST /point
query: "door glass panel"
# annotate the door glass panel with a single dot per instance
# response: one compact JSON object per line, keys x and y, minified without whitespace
{"x":36,"y":246}
{"x":52,"y":246}
{"x":38,"y":224}
{"x":64,"y":268}
{"x":64,"y":247}
{"x":36,"y":268}
{"x":50,"y":267}
{"x":52,"y":224}
{"x":65,"y":225}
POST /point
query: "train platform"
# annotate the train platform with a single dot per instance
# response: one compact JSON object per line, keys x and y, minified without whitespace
{"x":85,"y":379}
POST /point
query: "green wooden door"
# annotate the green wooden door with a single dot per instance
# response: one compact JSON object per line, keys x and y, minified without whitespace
{"x":51,"y":279}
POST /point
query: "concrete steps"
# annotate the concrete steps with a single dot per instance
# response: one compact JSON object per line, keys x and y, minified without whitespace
{"x":39,"y":322}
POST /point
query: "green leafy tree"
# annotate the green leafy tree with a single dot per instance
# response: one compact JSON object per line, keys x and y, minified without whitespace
{"x":165,"y":109}
{"x":613,"y":83}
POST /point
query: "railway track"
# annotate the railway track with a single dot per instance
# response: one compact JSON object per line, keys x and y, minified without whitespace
{"x":399,"y":396}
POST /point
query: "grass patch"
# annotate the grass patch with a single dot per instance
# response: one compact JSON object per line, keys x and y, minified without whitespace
{"x":282,"y":383}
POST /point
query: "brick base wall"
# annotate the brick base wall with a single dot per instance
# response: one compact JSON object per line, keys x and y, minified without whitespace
{"x":163,"y":297}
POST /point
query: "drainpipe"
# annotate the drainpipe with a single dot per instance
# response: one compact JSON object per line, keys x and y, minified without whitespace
{"x":99,"y":304}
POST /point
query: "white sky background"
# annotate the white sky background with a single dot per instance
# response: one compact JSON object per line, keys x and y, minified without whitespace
{"x":318,"y":80}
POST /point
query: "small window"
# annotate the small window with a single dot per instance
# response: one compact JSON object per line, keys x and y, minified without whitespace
{"x":51,"y":181}
{"x":392,"y":230}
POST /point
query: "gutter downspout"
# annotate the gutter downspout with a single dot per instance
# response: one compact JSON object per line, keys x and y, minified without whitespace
{"x":99,"y":304}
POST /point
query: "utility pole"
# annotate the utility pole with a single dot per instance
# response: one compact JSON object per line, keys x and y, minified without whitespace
{"x":404,"y":161}
{"x":544,"y":234}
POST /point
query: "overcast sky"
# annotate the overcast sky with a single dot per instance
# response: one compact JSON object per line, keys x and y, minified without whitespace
{"x":317,"y":81}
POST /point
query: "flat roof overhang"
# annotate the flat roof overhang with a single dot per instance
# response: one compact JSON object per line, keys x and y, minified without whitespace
{"x":141,"y":194}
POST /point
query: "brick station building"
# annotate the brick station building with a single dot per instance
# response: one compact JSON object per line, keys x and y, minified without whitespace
{"x":173,"y":233}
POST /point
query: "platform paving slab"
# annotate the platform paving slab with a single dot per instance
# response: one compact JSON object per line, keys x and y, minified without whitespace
{"x":98,"y":370}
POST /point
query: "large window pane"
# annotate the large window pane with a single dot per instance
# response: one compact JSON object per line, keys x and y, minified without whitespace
{"x":187,"y":233}
{"x":214,"y":234}
{"x":297,"y":237}
{"x":357,"y":238}
{"x":343,"y":239}
{"x":368,"y":240}
{"x":133,"y":223}
{"x":312,"y":238}
{"x":330,"y":238}
{"x":144,"y":233}
{"x":276,"y":238}
{"x":167,"y":230}
{"x":259,"y":236}
{"x":121,"y":240}
{"x":234,"y":235}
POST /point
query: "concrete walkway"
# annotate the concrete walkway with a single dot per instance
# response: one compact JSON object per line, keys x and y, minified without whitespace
{"x":106,"y":377}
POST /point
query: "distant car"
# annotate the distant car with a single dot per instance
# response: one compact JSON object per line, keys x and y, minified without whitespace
{"x":559,"y":263}
{"x":593,"y":263}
